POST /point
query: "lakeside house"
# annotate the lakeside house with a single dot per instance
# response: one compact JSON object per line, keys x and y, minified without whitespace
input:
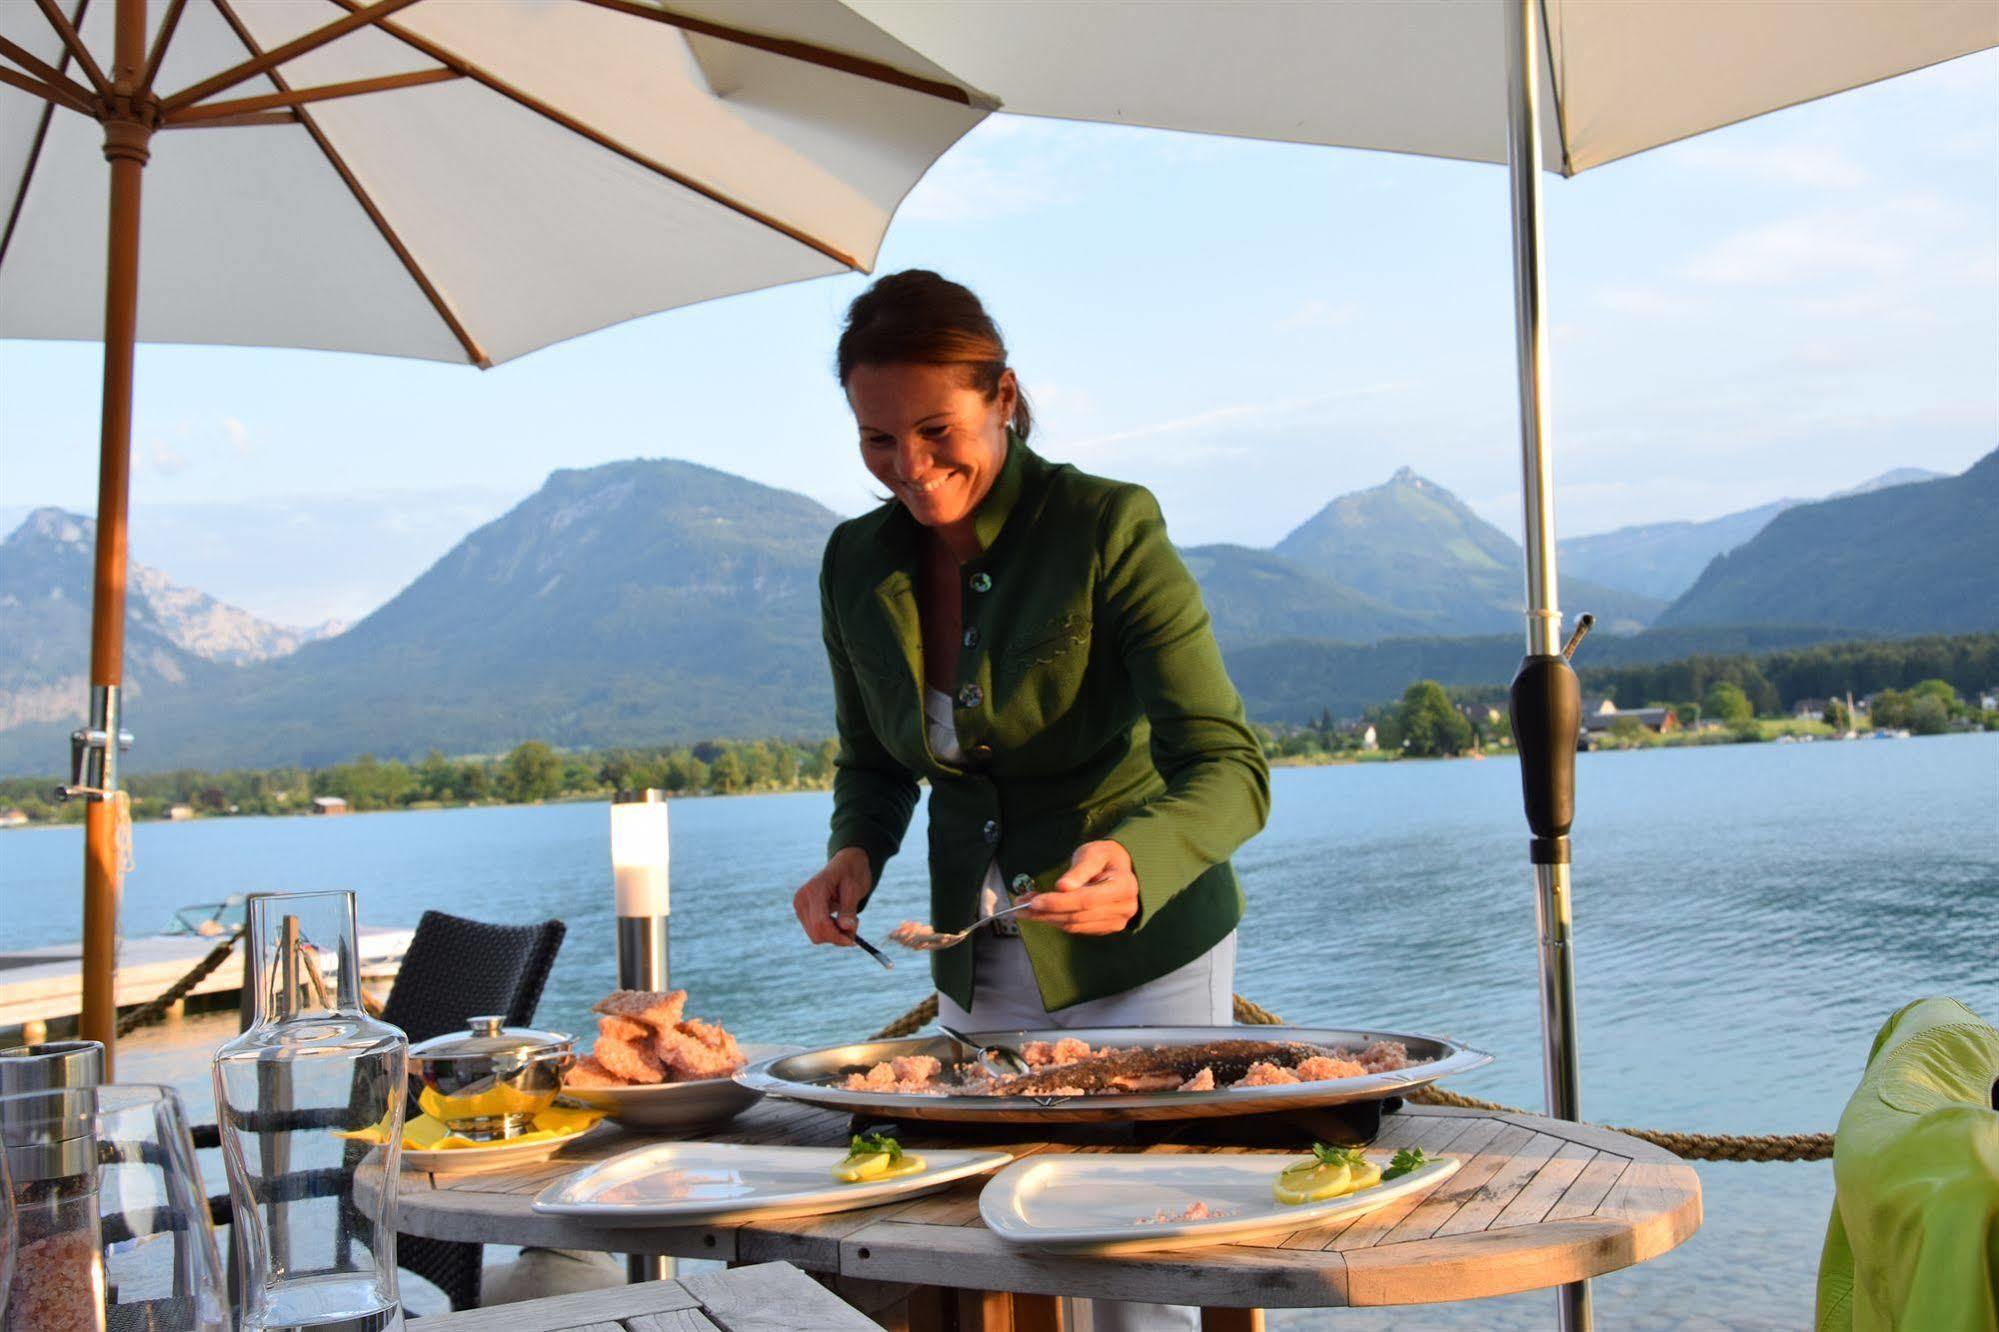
{"x":1809,"y":709}
{"x":179,"y":813}
{"x":13,"y":818}
{"x":1606,"y":716}
{"x":329,"y":805}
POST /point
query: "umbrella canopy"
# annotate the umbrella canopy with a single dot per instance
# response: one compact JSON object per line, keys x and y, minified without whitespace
{"x":1430,"y":76}
{"x":481,"y":180}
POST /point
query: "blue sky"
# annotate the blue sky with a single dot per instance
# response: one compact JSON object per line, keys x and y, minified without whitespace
{"x":1785,"y":307}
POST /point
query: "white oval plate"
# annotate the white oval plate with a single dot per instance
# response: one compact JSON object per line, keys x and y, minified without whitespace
{"x":678,"y":1105}
{"x":700,"y":1183}
{"x":499,"y":1156}
{"x":1107,"y":1204}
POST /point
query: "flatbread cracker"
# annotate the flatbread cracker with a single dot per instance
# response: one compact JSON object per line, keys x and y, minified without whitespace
{"x":587,"y":1072}
{"x":634,"y":1063}
{"x":659,"y":1009}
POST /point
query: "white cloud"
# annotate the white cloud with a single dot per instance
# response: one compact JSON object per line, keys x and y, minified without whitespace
{"x":1234,"y":418}
{"x":165,"y":460}
{"x":1815,"y":166}
{"x":239,"y":435}
{"x":1646,"y":301}
{"x":1003,"y":168}
{"x":1829,"y":245}
{"x":1320,"y":314}
{"x":1787,"y":251}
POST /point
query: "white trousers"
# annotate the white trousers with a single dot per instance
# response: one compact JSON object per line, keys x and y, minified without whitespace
{"x":1200,"y":994}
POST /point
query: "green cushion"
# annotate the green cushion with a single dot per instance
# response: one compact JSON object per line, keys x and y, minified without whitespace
{"x":1914,"y":1238}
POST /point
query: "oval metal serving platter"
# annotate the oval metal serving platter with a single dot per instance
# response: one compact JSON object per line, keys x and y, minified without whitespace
{"x":812,"y":1076}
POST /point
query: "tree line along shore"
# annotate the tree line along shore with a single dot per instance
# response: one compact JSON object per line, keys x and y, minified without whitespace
{"x":1923,"y":686}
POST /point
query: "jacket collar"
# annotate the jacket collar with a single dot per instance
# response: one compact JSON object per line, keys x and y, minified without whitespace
{"x":1022,"y":464}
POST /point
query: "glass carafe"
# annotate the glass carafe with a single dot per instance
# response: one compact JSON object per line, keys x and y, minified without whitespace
{"x":313,"y":1251}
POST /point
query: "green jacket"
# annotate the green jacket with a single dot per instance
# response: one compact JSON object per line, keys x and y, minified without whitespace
{"x":1913,"y":1244}
{"x":1092,"y":704}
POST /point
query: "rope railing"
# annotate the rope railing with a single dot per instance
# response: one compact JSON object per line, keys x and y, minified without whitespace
{"x":1690,"y":1146}
{"x":147,"y":1014}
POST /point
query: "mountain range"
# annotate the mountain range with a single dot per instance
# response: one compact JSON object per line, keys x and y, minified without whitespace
{"x":1663,"y":559}
{"x":652,"y":601}
{"x":1906,"y":559}
{"x":174,"y":635}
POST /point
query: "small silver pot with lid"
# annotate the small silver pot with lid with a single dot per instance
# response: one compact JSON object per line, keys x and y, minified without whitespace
{"x":490,"y":1081}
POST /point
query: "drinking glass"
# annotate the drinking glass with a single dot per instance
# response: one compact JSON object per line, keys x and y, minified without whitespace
{"x":7,"y":1230}
{"x":112,"y":1227}
{"x":312,"y":1251}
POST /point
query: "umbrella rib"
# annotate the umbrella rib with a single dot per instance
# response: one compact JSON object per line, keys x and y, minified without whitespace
{"x":54,"y":94}
{"x":34,"y":156}
{"x":493,"y":82}
{"x":194,"y":115}
{"x":473,"y":351}
{"x":278,"y":55}
{"x":47,"y":73}
{"x":67,"y":31}
{"x":795,"y":50}
{"x":1556,"y":79}
{"x":160,"y":43}
{"x":239,"y":122}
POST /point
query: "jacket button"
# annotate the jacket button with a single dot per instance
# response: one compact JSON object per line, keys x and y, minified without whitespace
{"x":971,"y":696}
{"x":972,"y":637}
{"x":982,"y":582}
{"x":991,"y":832}
{"x":980,"y":753}
{"x":1022,"y":884}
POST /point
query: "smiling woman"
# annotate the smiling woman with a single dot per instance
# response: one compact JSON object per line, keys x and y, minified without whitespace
{"x":1026,"y":638}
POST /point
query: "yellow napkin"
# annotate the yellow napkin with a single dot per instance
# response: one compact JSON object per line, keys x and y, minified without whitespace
{"x":426,"y":1133}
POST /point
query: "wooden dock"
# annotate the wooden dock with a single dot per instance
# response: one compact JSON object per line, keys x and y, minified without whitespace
{"x":41,"y":988}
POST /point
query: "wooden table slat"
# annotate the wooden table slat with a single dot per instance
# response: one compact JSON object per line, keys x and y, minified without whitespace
{"x":1513,"y":1175}
{"x":1550,"y":1182}
{"x":679,"y":1320}
{"x":612,"y":1305}
{"x":1580,"y":1199}
{"x":775,"y":1297}
{"x":1455,"y":1191}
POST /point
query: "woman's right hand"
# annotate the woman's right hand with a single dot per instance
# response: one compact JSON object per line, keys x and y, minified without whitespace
{"x":831,"y":899}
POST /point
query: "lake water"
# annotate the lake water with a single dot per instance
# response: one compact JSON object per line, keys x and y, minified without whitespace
{"x":1746,"y":917}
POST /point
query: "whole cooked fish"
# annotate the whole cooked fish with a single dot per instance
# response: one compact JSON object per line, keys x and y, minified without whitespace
{"x":1156,"y":1068}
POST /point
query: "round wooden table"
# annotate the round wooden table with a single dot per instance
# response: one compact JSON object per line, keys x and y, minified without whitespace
{"x":1536,"y":1203}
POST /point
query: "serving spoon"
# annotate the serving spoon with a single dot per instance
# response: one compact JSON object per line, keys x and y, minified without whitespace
{"x":1002,"y":1061}
{"x":934,"y":941}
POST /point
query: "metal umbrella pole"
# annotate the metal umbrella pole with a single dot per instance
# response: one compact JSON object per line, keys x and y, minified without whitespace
{"x":1546,"y":704}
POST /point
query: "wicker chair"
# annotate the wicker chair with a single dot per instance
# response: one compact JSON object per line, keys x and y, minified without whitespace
{"x":455,"y":970}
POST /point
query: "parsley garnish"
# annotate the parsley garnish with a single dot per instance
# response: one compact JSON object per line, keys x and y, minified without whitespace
{"x":873,"y":1144}
{"x":1406,"y":1160}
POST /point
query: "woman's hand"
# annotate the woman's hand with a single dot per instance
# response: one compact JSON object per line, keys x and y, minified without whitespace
{"x":831,"y":899}
{"x":1099,"y":894}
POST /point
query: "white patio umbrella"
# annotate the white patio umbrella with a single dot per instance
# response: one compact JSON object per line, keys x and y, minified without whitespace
{"x":1581,"y":83}
{"x":453,"y":181}
{"x":471,"y":181}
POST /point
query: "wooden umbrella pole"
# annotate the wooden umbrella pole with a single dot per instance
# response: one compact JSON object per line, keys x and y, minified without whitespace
{"x":128,"y":116}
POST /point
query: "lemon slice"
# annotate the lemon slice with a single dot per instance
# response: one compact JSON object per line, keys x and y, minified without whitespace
{"x":1365,"y":1176}
{"x":1311,"y":1181}
{"x":856,"y":1169}
{"x":908,"y":1165}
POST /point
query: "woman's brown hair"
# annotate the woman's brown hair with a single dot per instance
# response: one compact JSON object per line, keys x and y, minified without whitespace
{"x":917,"y":317}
